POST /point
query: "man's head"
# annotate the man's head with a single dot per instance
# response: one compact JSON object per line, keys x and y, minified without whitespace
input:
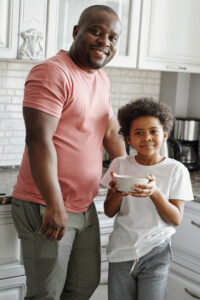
{"x":95,"y":37}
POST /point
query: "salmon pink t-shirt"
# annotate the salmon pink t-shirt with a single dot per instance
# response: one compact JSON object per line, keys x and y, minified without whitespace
{"x":81,"y":102}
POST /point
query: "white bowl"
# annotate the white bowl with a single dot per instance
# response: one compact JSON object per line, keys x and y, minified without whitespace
{"x":126,"y":182}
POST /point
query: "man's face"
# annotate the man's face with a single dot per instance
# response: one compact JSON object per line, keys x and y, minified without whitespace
{"x":95,"y":41}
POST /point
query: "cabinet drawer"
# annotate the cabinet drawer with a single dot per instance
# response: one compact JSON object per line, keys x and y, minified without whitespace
{"x":182,"y":289}
{"x":185,"y":242}
{"x":12,"y":288}
{"x":10,"y":254}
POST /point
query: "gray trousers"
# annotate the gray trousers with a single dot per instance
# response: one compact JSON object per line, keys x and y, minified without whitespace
{"x":147,"y":281}
{"x":67,"y":269}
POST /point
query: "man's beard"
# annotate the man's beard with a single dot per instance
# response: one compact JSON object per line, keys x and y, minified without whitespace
{"x":94,"y":64}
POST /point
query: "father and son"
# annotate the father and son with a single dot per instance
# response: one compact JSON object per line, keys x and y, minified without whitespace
{"x":68,"y":119}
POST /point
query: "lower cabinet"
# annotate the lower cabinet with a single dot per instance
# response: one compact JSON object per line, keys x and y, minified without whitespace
{"x":101,"y":293}
{"x":181,"y":288}
{"x":12,"y":279}
{"x":13,"y":288}
{"x":184,"y":276}
{"x":106,"y":225}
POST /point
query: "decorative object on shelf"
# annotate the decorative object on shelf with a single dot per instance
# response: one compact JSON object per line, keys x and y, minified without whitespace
{"x":31,"y":47}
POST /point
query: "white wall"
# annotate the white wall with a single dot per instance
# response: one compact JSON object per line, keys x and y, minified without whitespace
{"x":182,"y":92}
{"x":126,"y":85}
{"x":194,"y":96}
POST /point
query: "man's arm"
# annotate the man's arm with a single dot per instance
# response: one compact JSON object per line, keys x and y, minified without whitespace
{"x":112,"y":142}
{"x":40,"y":128}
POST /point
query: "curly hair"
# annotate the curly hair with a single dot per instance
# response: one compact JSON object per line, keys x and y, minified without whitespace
{"x":144,"y":107}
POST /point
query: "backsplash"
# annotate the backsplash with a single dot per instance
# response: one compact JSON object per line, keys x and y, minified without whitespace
{"x":126,"y":84}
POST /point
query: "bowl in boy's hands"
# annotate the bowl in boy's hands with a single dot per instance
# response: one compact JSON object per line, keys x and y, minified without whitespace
{"x":126,"y":182}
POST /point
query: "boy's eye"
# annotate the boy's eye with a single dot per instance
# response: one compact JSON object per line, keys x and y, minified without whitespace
{"x":138,"y":132}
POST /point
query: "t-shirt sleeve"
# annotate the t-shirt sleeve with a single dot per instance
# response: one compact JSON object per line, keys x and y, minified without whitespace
{"x":114,"y":167}
{"x":46,"y":89}
{"x":181,"y":184}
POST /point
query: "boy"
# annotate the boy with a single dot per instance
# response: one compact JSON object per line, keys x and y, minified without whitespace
{"x":139,"y":250}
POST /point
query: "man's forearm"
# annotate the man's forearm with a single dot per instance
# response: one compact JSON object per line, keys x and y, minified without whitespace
{"x":115,"y":146}
{"x":43,"y":165}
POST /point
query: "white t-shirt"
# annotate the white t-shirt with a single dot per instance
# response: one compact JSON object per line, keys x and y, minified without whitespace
{"x":138,"y":227}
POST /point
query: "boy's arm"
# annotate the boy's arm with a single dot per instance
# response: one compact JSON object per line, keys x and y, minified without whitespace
{"x":171,"y":211}
{"x":112,"y":203}
{"x":113,"y":199}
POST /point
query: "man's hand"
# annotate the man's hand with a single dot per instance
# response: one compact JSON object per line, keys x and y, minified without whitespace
{"x":54,"y":223}
{"x":144,"y":190}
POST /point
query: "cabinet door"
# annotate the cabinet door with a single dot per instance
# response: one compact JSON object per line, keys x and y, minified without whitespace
{"x":13,"y":288}
{"x":65,"y":14}
{"x":32,"y":29}
{"x":170,"y":35}
{"x":10,"y":253}
{"x":100,"y":293}
{"x":9,"y":16}
{"x":182,"y":289}
{"x":185,"y":242}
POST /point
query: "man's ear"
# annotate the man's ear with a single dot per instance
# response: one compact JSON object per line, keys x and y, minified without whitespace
{"x":75,"y":31}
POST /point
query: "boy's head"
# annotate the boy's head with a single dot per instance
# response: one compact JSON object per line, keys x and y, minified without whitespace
{"x":144,"y":107}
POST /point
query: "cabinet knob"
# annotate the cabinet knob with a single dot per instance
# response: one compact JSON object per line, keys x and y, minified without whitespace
{"x":191,"y":294}
{"x":196,"y":224}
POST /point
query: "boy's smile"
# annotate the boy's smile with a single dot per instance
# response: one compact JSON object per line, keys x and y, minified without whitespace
{"x":146,"y":137}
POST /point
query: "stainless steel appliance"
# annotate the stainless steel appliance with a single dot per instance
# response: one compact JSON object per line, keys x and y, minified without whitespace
{"x":186,"y":132}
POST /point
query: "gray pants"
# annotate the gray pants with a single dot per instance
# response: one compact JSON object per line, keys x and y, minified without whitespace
{"x":66,"y":270}
{"x":147,"y":281}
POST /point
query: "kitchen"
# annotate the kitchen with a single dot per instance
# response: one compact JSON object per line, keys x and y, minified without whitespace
{"x":157,"y":58}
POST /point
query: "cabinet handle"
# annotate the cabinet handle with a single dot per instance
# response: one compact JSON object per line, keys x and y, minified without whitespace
{"x":196,"y":224}
{"x":191,"y":294}
{"x":176,"y":67}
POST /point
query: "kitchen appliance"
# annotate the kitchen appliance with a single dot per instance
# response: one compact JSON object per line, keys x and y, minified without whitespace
{"x":186,"y":132}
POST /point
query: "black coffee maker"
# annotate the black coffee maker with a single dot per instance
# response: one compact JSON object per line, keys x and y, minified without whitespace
{"x":186,"y":133}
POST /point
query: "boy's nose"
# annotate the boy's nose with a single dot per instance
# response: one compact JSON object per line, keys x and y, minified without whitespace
{"x":147,"y":137}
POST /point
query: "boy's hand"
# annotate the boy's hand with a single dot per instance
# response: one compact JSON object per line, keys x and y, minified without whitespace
{"x":114,"y":185}
{"x":144,"y":190}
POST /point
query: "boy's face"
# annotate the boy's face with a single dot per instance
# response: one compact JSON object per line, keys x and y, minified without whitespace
{"x":146,"y":137}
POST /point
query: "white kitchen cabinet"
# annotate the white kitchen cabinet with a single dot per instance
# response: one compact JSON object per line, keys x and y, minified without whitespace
{"x":23,"y":28}
{"x":184,"y":276}
{"x":64,"y":14}
{"x":169,"y":37}
{"x":12,"y":279}
{"x":106,"y":225}
{"x":9,"y":16}
{"x":182,"y":289}
{"x":32,"y":29}
{"x":13,"y":288}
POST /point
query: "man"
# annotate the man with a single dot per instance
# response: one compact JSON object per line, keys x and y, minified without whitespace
{"x":68,"y":118}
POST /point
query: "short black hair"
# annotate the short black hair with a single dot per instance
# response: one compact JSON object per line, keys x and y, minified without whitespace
{"x":89,"y":10}
{"x":144,"y":107}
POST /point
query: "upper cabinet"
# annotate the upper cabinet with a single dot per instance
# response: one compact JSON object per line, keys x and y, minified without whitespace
{"x":23,"y":28}
{"x":65,"y":14}
{"x":156,"y":34}
{"x":169,"y":36}
{"x":32,"y":29}
{"x":9,"y":16}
